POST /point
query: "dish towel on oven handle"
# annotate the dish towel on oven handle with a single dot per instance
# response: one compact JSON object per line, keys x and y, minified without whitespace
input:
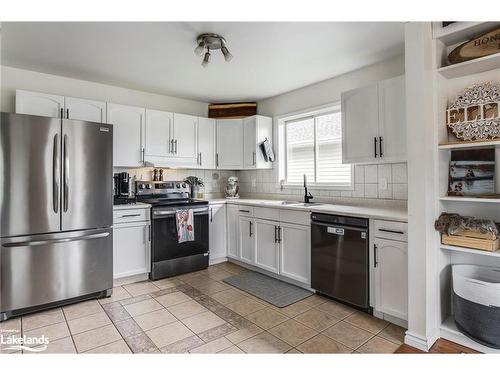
{"x":185,"y":225}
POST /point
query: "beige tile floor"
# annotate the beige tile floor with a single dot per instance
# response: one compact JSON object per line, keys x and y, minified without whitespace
{"x":198,"y":313}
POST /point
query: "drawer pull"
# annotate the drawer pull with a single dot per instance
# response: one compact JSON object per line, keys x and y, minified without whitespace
{"x":392,"y":231}
{"x":246,"y":211}
{"x":131,"y":215}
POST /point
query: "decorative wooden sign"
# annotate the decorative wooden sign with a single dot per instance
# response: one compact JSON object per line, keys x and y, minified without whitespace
{"x":484,"y":45}
{"x":474,"y":114}
{"x":232,"y":110}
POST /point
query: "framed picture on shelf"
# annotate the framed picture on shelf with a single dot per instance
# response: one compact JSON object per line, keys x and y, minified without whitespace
{"x":472,"y":173}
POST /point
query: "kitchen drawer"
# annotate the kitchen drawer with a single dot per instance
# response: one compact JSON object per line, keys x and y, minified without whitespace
{"x":391,"y":230}
{"x":245,"y":210}
{"x":266,"y":213}
{"x":295,"y":217}
{"x":127,"y":216}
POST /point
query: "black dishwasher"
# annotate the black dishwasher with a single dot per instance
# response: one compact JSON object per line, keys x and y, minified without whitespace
{"x":340,"y":258}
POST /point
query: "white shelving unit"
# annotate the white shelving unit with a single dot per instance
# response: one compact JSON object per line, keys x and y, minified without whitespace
{"x":449,"y":80}
{"x":449,"y":331}
{"x":471,"y":251}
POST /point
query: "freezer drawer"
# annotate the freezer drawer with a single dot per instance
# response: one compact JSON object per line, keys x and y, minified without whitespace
{"x":43,"y":269}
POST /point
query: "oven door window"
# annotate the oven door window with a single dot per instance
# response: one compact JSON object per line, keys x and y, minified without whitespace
{"x":164,"y":241}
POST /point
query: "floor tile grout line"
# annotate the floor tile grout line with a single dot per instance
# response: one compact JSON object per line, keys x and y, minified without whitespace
{"x":67,"y":325}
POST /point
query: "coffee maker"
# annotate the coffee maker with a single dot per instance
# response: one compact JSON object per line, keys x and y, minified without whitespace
{"x":122,"y":192}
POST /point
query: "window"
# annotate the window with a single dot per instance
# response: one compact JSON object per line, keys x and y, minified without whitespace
{"x":311,"y":144}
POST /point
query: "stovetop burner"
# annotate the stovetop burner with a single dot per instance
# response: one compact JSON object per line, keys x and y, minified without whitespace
{"x":173,"y":201}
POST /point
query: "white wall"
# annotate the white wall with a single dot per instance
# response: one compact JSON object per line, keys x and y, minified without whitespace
{"x":366,"y":178}
{"x":13,"y":78}
{"x":328,"y":91}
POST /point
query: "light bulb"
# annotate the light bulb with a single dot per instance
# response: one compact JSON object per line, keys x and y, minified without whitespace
{"x":227,"y":55}
{"x":206,"y":59}
{"x":200,"y":48}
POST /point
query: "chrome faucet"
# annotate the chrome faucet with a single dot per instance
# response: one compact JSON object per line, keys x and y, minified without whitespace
{"x":307,"y":195}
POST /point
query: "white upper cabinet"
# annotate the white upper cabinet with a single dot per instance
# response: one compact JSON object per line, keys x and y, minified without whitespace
{"x":185,"y":137}
{"x":128,"y":133}
{"x":392,"y":124}
{"x":84,"y":109}
{"x":229,"y":144}
{"x":39,"y":103}
{"x":359,"y":124}
{"x":157,"y":134}
{"x":374,"y":123}
{"x":206,"y":143}
{"x":255,"y":130}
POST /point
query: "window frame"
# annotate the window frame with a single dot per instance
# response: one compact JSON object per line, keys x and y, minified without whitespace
{"x":283,"y":149}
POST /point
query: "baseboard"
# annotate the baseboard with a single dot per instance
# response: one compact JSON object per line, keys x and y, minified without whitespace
{"x":418,"y":341}
{"x":391,"y":319}
{"x":130,"y":279}
{"x":217,"y":260}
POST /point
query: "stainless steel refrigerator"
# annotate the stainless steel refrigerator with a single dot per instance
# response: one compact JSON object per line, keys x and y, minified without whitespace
{"x":56,"y":212}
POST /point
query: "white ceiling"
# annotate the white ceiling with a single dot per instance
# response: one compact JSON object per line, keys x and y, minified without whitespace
{"x":269,"y":58}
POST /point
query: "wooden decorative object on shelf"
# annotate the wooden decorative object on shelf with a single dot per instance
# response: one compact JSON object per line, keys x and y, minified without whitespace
{"x":232,"y":110}
{"x":474,"y":115}
{"x":471,"y":242}
{"x":484,"y":45}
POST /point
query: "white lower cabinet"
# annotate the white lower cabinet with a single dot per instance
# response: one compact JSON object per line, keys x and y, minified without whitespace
{"x":217,"y":231}
{"x":246,"y":239}
{"x":266,"y":245}
{"x":233,"y":230}
{"x":131,"y":249}
{"x":391,"y":277}
{"x":295,"y":252}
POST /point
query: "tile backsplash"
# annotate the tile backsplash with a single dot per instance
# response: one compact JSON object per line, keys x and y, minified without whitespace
{"x":368,"y":183}
{"x":214,"y":180}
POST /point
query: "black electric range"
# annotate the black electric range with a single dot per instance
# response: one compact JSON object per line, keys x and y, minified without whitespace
{"x":168,"y":256}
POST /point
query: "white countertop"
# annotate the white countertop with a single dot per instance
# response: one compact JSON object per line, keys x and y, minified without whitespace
{"x":131,"y":206}
{"x":386,"y":211}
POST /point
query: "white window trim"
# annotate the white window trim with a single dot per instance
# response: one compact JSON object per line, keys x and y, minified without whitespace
{"x":281,"y":165}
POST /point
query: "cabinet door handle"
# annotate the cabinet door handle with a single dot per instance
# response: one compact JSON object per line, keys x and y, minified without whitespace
{"x":217,"y":159}
{"x":171,"y":146}
{"x":200,"y":158}
{"x":391,"y":231}
{"x":176,"y":146}
{"x":375,"y":256}
{"x":149,"y":230}
{"x":250,"y":227}
{"x":279,"y":234}
{"x":245,"y":211}
{"x":253,"y":160}
{"x":211,"y":214}
{"x":67,"y":112}
{"x":131,"y":215}
{"x":275,"y":234}
{"x":380,"y":146}
{"x":142,"y":151}
{"x":375,"y":146}
{"x":62,"y":113}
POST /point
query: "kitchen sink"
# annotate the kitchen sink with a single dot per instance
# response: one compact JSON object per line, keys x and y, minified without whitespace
{"x":307,"y":204}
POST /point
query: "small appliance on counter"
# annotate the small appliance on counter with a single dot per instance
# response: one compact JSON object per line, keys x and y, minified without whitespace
{"x":232,"y":187}
{"x":195,"y":184}
{"x":122,"y":193}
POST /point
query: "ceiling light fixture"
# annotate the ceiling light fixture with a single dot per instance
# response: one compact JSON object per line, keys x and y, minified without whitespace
{"x":209,"y":42}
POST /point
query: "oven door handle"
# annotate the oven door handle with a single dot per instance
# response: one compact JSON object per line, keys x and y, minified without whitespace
{"x":172,"y":212}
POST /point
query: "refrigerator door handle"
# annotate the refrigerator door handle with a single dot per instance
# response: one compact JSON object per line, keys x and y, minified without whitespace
{"x":55,"y":174}
{"x":59,"y":240}
{"x":66,"y":172}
